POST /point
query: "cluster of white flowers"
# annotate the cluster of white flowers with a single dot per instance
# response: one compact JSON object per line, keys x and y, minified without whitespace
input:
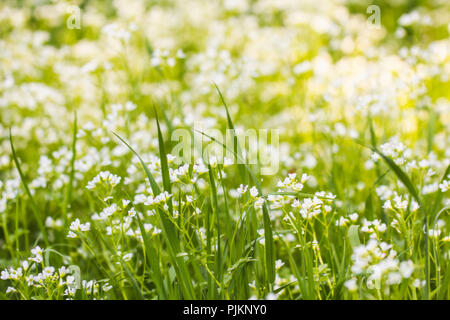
{"x":104,"y":177}
{"x":164,"y":51}
{"x":163,"y":197}
{"x":258,"y":200}
{"x":445,"y":185}
{"x":53,"y":223}
{"x":34,"y":275}
{"x":105,"y":213}
{"x":113,"y":30}
{"x":291,"y":183}
{"x":378,"y":262}
{"x":115,"y":219}
{"x":37,"y":254}
{"x":76,"y":226}
{"x":309,"y":208}
{"x":395,"y":150}
{"x":373,"y":226}
{"x":392,"y":200}
{"x":343,"y":221}
{"x":160,"y":57}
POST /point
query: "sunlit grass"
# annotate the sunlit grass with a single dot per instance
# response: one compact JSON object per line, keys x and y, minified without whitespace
{"x":96,"y":204}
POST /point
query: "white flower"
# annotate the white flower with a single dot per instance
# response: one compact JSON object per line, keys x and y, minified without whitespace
{"x":399,"y":203}
{"x":430,"y":188}
{"x":227,"y":162}
{"x":128,"y":257}
{"x":85,"y":227}
{"x":381,"y":227}
{"x":15,"y":274}
{"x":406,"y":268}
{"x":445,"y":185}
{"x":259,"y":203}
{"x":272,"y":296}
{"x":53,"y":224}
{"x":76,"y":226}
{"x":181,"y":54}
{"x":418,"y":284}
{"x":279,"y":264}
{"x":70,"y":291}
{"x":108,"y":211}
{"x":130,"y":106}
{"x":37,"y":252}
{"x":11,"y":289}
{"x":71,"y":234}
{"x":414,"y":206}
{"x":394,"y":278}
{"x":254,"y":192}
{"x":304,"y":178}
{"x":105,"y":177}
{"x":351,"y":285}
{"x":242,"y":189}
{"x":63,"y":271}
{"x":341,"y":222}
{"x":302,"y":67}
{"x":435,"y":233}
{"x":125,"y":202}
{"x":106,"y":287}
{"x":48,"y":272}
{"x":4,"y":275}
{"x":296,"y":203}
{"x":199,"y":168}
{"x":297,"y":186}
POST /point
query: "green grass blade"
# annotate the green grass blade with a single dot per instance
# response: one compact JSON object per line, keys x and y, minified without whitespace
{"x":237,"y":149}
{"x":216,"y":212}
{"x":132,"y":279}
{"x":166,"y":120}
{"x":168,"y":227}
{"x":27,"y":190}
{"x":155,"y":188}
{"x":244,"y":172}
{"x":174,"y":243}
{"x":153,"y":261}
{"x":401,"y":175}
{"x":68,"y":198}
{"x":163,"y":158}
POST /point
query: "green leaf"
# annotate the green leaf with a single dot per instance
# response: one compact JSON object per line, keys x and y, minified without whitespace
{"x":353,"y":236}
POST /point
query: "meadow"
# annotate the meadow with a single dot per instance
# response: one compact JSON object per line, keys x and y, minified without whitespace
{"x":224,"y":149}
